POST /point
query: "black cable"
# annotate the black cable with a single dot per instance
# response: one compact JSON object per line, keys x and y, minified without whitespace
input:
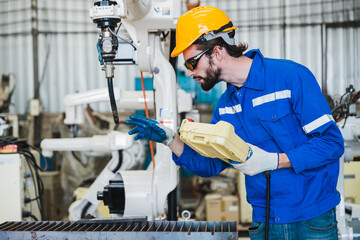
{"x":78,"y":159}
{"x":117,"y":30}
{"x":38,"y":183}
{"x":342,"y":97}
{"x":27,"y":200}
{"x":75,"y":130}
{"x":118,"y":166}
{"x":164,"y":35}
{"x":24,"y":148}
{"x":112,"y":101}
{"x":337,"y":108}
{"x":85,"y":209}
{"x":123,"y":39}
{"x":32,"y":216}
{"x":26,"y":214}
{"x":267,"y":175}
{"x":345,"y":121}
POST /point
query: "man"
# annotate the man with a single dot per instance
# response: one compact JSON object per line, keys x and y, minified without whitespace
{"x":277,"y":107}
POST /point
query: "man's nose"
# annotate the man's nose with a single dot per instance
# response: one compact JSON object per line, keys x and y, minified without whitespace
{"x":190,"y":73}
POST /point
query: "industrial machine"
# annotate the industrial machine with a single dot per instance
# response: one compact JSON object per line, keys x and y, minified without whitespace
{"x":145,"y":192}
{"x":346,"y":113}
{"x":22,"y":188}
{"x":140,"y":196}
{"x":12,"y":172}
{"x":126,"y":154}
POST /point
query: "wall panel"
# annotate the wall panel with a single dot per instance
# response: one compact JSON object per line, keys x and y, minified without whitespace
{"x":67,"y":38}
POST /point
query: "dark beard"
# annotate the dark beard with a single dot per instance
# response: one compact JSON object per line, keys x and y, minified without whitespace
{"x":211,"y":79}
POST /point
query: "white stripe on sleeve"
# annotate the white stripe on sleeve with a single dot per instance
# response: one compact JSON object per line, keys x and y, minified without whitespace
{"x":317,"y":123}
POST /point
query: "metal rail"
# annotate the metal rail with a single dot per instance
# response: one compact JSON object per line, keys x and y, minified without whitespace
{"x":112,"y":229}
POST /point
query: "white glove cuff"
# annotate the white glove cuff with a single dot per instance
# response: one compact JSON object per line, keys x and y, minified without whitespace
{"x":170,"y":138}
{"x":275,"y":161}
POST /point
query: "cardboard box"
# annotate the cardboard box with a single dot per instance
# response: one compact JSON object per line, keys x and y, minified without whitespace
{"x":53,"y":195}
{"x":222,"y":208}
{"x":352,"y":182}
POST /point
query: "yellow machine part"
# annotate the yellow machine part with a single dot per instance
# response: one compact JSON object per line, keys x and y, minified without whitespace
{"x":103,"y":210}
{"x":214,"y":140}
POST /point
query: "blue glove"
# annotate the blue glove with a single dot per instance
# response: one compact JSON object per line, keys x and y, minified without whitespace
{"x":150,"y":129}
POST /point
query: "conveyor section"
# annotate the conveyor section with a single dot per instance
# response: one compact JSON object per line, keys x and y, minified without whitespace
{"x":114,"y":229}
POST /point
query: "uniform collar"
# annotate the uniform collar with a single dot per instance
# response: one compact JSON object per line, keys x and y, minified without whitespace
{"x":255,"y":79}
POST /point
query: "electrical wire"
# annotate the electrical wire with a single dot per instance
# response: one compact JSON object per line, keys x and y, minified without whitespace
{"x":267,"y":216}
{"x":26,"y":214}
{"x":39,"y":187}
{"x":75,"y":129}
{"x":24,"y":148}
{"x":113,"y":102}
{"x":85,"y":209}
{"x":128,"y":42}
{"x":120,"y":161}
{"x":48,"y":48}
{"x":78,"y":159}
{"x":147,"y":115}
{"x":117,"y":30}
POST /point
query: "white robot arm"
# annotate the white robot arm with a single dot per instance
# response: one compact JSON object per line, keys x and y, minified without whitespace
{"x":133,"y":100}
{"x":145,"y":192}
{"x":126,"y":154}
{"x":121,"y":160}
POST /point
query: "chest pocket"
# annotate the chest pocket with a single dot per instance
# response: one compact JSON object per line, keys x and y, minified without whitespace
{"x":234,"y":120}
{"x":278,"y":121}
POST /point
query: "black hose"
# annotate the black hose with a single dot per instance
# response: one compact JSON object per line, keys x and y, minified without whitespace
{"x":78,"y":159}
{"x":267,"y":175}
{"x":112,"y":101}
{"x":26,"y":214}
{"x":33,"y":217}
{"x":119,"y":162}
{"x":85,"y":209}
{"x":172,"y":205}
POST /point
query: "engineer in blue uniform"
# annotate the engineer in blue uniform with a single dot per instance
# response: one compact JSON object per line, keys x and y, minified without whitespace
{"x":277,"y":107}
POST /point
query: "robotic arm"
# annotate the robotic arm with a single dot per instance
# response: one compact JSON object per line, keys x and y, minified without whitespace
{"x":346,"y":115}
{"x":134,"y":100}
{"x":145,"y":192}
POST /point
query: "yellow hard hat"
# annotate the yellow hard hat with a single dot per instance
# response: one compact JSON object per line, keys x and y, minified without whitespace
{"x":198,"y":21}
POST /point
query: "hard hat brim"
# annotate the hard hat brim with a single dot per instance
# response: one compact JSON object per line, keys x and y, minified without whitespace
{"x":180,"y":48}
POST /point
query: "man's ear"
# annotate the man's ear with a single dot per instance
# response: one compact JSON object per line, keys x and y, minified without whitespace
{"x":219,"y":53}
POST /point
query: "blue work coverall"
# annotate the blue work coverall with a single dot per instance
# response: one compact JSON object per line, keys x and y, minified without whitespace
{"x":281,"y":109}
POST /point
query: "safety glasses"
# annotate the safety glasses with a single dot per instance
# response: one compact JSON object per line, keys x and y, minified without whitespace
{"x":191,"y":63}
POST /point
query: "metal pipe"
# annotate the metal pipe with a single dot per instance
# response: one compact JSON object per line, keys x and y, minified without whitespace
{"x":34,"y":33}
{"x":324,"y":59}
{"x":284,"y":29}
{"x":172,"y":197}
